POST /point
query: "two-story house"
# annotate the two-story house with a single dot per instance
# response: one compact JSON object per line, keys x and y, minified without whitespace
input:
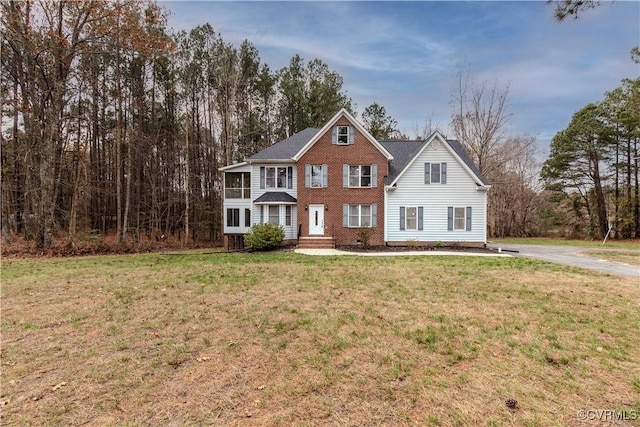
{"x":325,"y":185}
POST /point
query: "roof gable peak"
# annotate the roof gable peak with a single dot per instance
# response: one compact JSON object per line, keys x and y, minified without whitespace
{"x":343,"y":113}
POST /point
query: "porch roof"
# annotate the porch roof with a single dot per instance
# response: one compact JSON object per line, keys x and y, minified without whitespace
{"x":275,"y":197}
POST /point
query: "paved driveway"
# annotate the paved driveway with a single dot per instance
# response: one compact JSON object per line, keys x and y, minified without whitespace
{"x":570,"y":255}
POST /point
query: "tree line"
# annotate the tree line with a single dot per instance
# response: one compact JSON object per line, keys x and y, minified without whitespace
{"x":591,"y":174}
{"x":111,"y":123}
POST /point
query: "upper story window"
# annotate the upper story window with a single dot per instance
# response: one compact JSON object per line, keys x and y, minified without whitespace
{"x":237,"y":185}
{"x":435,"y":173}
{"x":358,"y":176}
{"x":315,"y":176}
{"x":276,"y":177}
{"x":342,"y":135}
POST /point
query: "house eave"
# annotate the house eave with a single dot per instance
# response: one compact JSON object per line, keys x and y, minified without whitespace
{"x":233,"y":166}
{"x":270,"y":161}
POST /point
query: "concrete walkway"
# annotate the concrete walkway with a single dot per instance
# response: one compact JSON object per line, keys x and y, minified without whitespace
{"x":326,"y":252}
{"x":568,"y":255}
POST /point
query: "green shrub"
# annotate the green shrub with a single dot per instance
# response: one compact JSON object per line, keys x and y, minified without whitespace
{"x":264,"y":237}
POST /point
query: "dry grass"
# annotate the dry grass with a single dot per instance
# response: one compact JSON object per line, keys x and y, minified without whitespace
{"x":618,"y":255}
{"x":284,"y":339}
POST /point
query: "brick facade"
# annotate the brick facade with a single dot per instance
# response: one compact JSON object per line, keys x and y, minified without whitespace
{"x":334,"y":196}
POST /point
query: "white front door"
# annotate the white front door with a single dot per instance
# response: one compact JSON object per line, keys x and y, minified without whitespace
{"x":316,"y":220}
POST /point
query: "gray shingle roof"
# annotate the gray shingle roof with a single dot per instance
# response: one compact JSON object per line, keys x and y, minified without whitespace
{"x":275,"y":197}
{"x":402,"y":152}
{"x":287,"y":148}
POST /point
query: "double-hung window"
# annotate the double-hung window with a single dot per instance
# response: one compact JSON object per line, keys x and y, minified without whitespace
{"x":316,"y":176}
{"x":233,"y":217}
{"x":459,"y":218}
{"x":276,"y":177}
{"x":288,"y":209}
{"x":343,"y":135}
{"x":359,"y":215}
{"x":435,"y":173}
{"x":411,"y":218}
{"x":359,"y":176}
{"x":274,"y":214}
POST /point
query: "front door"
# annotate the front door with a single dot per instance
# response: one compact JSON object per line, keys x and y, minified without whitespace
{"x":316,"y":220}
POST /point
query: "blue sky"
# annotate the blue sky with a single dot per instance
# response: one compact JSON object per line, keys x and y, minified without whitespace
{"x":405,"y":55}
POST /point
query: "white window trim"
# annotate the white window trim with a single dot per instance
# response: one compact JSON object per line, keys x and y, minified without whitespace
{"x":268,"y":219}
{"x":245,"y":186}
{"x":360,"y":176}
{"x":231,"y":215}
{"x":275,"y":171}
{"x":464,"y":218}
{"x":442,"y":167}
{"x":406,"y":218}
{"x":345,"y":134}
{"x":320,"y":174}
{"x":360,"y":216}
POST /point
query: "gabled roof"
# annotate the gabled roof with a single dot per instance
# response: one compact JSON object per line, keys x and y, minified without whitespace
{"x":275,"y":197}
{"x":402,"y":152}
{"x":331,"y":123}
{"x":286,"y":149}
{"x":452,"y":145}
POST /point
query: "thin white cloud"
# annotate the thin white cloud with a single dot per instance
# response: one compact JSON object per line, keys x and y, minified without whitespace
{"x":404,"y":55}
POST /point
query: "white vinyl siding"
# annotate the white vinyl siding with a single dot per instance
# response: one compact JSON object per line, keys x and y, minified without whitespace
{"x":291,"y":231}
{"x":284,"y":215}
{"x":232,"y":201}
{"x":460,"y":191}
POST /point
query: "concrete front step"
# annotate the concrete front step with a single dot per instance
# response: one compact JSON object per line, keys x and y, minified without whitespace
{"x":316,"y":243}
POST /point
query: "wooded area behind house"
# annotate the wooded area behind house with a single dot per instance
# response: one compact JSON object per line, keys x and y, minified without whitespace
{"x":113,"y":124}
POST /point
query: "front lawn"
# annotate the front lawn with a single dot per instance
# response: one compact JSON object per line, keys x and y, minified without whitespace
{"x":286,"y":339}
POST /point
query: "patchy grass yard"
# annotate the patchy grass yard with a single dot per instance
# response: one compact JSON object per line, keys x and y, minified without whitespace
{"x":285,"y":339}
{"x":630,"y":244}
{"x":626,"y":257}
